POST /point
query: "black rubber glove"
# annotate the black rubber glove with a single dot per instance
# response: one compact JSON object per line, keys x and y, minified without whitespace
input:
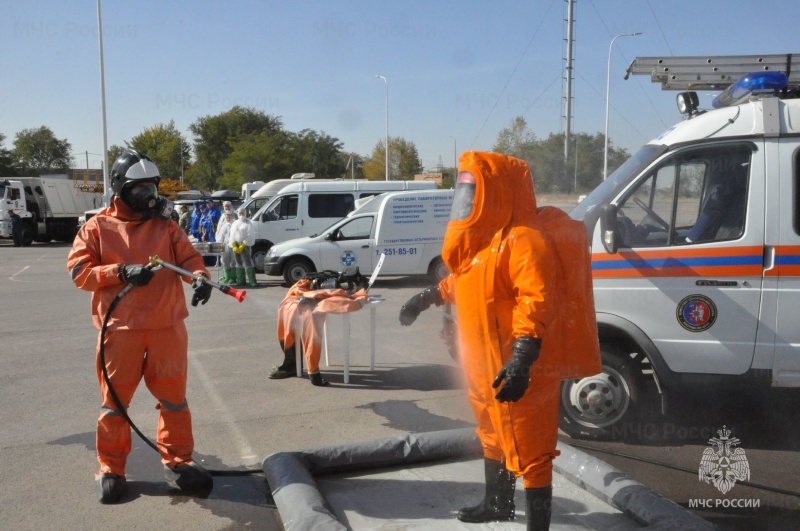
{"x":419,"y":303}
{"x":202,"y":292}
{"x":517,"y":370}
{"x":137,"y":275}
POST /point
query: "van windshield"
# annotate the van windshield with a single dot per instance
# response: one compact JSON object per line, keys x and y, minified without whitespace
{"x":587,"y":210}
{"x":328,"y":228}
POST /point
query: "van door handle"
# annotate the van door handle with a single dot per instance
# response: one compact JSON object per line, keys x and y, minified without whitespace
{"x":365,"y":246}
{"x":769,"y":257}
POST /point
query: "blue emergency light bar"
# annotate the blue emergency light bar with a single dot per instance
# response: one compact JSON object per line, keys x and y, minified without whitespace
{"x":748,"y":84}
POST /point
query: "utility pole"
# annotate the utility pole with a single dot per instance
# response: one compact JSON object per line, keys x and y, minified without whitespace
{"x":106,"y":187}
{"x":568,"y":72}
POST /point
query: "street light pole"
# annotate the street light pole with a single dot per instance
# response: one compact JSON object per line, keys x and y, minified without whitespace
{"x":106,"y":187}
{"x":608,"y":95}
{"x":181,"y":148}
{"x":387,"y":126}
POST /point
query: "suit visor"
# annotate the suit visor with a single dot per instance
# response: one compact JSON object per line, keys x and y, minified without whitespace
{"x":463,"y":197}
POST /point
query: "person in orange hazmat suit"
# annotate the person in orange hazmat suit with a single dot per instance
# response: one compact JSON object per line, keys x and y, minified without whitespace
{"x":146,"y":336}
{"x":507,"y":288}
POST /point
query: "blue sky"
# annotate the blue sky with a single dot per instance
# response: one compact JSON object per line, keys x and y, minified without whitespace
{"x":457,"y":71}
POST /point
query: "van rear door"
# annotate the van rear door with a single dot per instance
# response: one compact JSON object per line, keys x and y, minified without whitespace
{"x":688,"y":271}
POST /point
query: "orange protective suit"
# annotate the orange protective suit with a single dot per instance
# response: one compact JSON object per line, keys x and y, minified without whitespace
{"x":146,"y":336}
{"x":507,"y":282}
{"x":311,"y":306}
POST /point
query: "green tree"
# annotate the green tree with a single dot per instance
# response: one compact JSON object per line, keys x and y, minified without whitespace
{"x":166,"y":146}
{"x":215,"y":136}
{"x":261,"y":156}
{"x":7,"y":168}
{"x":517,"y":140}
{"x":114,"y":152}
{"x":449,"y":178}
{"x":551,"y":173}
{"x":38,"y":151}
{"x":270,"y":155}
{"x":404,"y":161}
{"x":317,"y":153}
{"x":548,"y":166}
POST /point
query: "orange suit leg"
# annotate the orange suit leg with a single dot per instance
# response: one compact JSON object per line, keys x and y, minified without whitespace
{"x":479,"y":401}
{"x":287,"y":313}
{"x":124,"y":355}
{"x":528,"y":431}
{"x":312,"y":334}
{"x":165,"y":376}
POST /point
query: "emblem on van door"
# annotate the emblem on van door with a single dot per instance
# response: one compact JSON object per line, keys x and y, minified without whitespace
{"x":348,"y":258}
{"x":696,"y":313}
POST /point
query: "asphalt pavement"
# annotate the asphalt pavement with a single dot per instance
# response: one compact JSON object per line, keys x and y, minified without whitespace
{"x":50,"y":399}
{"x":49,"y":402}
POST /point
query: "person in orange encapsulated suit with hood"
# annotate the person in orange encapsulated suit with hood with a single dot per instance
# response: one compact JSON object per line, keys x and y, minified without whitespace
{"x":525,"y":322}
{"x":146,"y":336}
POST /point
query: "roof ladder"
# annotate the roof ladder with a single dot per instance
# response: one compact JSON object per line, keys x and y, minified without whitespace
{"x":712,"y":72}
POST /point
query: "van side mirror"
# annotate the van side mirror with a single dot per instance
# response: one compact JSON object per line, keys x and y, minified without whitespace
{"x":608,"y":228}
{"x":329,"y":236}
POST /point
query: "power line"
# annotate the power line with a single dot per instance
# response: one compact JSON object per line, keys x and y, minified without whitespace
{"x":614,"y":108}
{"x":660,"y":28}
{"x":512,"y":73}
{"x":639,"y":83}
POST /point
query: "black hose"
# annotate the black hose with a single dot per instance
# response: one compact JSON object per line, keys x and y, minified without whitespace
{"x":681,"y":469}
{"x":123,"y":411}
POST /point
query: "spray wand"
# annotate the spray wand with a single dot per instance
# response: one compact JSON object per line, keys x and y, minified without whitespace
{"x":237,"y":294}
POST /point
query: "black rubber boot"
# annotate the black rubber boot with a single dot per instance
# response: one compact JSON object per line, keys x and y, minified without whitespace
{"x":189,"y":478}
{"x":317,"y":379}
{"x":289,"y":366}
{"x":498,"y":502}
{"x":110,"y":487}
{"x":538,"y":506}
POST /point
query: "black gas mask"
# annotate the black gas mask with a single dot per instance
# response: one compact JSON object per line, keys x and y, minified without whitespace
{"x":143,"y":197}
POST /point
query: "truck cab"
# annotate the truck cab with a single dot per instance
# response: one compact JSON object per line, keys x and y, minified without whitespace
{"x":695,"y":245}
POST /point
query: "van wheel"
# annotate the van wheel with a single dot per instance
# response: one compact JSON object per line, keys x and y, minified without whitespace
{"x":598,"y":406}
{"x":297,"y":268}
{"x":437,"y":271}
{"x":259,"y":255}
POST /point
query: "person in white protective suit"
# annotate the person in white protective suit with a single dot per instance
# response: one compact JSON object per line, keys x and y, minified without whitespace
{"x":227,"y":208}
{"x":241,"y":241}
{"x":223,"y":236}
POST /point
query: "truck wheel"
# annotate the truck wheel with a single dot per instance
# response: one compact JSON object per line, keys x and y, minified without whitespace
{"x":26,"y":234}
{"x":437,"y":271}
{"x":297,"y":268}
{"x":259,"y":255}
{"x":598,"y":406}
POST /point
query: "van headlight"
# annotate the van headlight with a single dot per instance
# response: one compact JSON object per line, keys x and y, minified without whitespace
{"x":271,"y":252}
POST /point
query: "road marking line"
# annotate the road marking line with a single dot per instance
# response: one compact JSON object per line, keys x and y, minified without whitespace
{"x":18,"y":273}
{"x":246,"y":450}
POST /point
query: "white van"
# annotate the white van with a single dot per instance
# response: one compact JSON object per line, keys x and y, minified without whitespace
{"x":408,"y":227}
{"x":249,"y":189}
{"x":306,"y":208}
{"x":695,"y":245}
{"x":267,"y":191}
